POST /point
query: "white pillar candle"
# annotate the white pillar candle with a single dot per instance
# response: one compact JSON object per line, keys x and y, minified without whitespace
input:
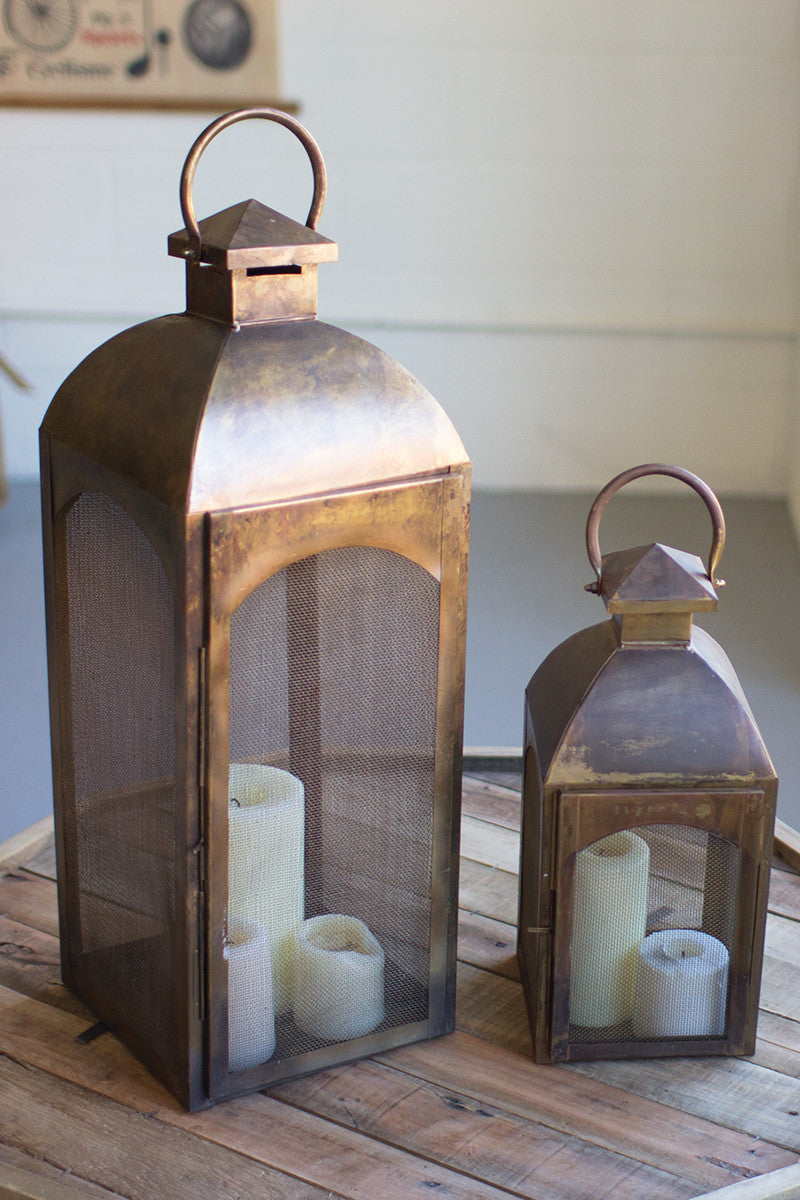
{"x":609,"y":921}
{"x":681,"y":985}
{"x":251,"y":1017}
{"x":266,"y":818}
{"x":338,"y":968}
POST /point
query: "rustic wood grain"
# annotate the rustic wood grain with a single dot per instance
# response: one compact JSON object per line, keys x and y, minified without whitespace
{"x":469,"y":1116}
{"x":107,"y":1143}
{"x":488,"y":802}
{"x":651,"y":1132}
{"x":30,"y":900}
{"x":526,"y":1157}
{"x":734,"y":1092}
{"x":30,"y":964}
{"x":778,"y":1185}
{"x":489,"y":891}
{"x":492,"y":845}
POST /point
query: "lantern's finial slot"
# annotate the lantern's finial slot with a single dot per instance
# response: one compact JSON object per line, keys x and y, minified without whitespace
{"x":290,"y":270}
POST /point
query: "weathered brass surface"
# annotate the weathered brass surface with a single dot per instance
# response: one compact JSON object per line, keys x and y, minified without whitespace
{"x":244,"y":438}
{"x":641,"y":721}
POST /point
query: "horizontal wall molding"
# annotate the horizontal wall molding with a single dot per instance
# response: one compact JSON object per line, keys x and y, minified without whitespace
{"x":588,"y":328}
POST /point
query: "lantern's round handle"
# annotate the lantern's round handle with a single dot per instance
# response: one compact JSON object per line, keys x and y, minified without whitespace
{"x":694,"y":481}
{"x":208,"y":134}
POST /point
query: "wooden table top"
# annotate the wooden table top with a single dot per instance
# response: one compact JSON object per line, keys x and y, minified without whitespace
{"x":465,"y":1116}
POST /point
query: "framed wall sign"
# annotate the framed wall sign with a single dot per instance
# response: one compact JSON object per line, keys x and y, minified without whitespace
{"x":138,"y":53}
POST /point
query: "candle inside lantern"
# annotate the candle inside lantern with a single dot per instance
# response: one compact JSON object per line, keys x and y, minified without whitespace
{"x":337,"y":978}
{"x":266,"y":837}
{"x":251,"y":1017}
{"x":608,"y":924}
{"x":681,"y":985}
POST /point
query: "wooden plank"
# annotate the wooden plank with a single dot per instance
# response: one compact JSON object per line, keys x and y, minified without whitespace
{"x":777,"y":1185}
{"x":784,"y":894}
{"x":29,"y":900}
{"x":780,"y":1031}
{"x":489,"y":944}
{"x":787,"y":844}
{"x":22,"y":846}
{"x":19,"y":1184}
{"x":649,"y":1131}
{"x":492,"y":1007}
{"x":733,"y":1092}
{"x":331,"y":1155}
{"x":490,"y":844}
{"x":274,"y":1134}
{"x":489,"y":891}
{"x":488,"y":802}
{"x":43,"y":862}
{"x":14,"y":1160}
{"x":30,"y":964}
{"x":780,"y":987}
{"x":76,"y":1129}
{"x":524,"y":1156}
{"x":783,"y":939}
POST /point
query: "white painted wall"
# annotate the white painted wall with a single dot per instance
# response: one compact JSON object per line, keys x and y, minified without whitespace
{"x":574,"y":220}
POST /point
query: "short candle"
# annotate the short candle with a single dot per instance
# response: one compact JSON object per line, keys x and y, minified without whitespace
{"x":337,"y":978}
{"x":251,"y":1017}
{"x":681,"y":985}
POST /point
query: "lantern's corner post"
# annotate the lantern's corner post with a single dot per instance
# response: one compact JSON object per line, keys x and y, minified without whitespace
{"x":57,"y":698}
{"x":191,"y":685}
{"x":763,"y":873}
{"x":449,"y":748}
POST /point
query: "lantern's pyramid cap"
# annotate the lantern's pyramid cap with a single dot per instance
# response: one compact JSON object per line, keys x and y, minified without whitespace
{"x":251,"y":235}
{"x":656,"y":578}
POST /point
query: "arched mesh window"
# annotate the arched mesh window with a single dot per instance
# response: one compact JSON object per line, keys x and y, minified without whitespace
{"x":333,"y":677}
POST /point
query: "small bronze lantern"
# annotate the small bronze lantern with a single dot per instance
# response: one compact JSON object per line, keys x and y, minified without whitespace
{"x":649,"y":803}
{"x":256,"y":546}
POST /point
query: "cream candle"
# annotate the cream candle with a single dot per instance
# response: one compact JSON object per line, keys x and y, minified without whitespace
{"x":338,"y":968}
{"x":251,"y":1017}
{"x":608,"y":923}
{"x":266,"y":838}
{"x":681,"y":985}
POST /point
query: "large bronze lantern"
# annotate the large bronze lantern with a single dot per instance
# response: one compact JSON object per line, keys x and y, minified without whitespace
{"x":255,"y":535}
{"x":649,"y":804}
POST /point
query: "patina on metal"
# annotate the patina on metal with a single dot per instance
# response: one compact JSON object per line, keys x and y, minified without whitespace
{"x":241,"y":500}
{"x":640,"y":724}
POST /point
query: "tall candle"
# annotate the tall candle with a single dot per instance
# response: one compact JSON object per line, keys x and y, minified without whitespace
{"x":337,"y":978}
{"x":608,"y":924}
{"x":251,"y":1017}
{"x":681,"y":985}
{"x":265,"y":861}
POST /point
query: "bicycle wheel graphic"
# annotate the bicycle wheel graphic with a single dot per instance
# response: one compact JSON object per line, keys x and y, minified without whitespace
{"x":46,"y":25}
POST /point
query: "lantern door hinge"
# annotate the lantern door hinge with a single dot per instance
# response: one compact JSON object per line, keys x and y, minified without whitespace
{"x":202,"y":722}
{"x":199,"y":850}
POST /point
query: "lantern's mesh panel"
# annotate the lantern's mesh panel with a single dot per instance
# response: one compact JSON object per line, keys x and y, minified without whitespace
{"x":334,"y":679}
{"x":653,"y":930}
{"x":119,"y":808}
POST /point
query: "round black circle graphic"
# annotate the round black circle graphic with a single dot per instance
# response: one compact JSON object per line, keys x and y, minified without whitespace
{"x":45,"y":25}
{"x":218,"y":32}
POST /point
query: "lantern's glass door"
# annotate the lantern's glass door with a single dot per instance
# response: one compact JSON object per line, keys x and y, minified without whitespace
{"x":652,"y":933}
{"x":332,"y":721}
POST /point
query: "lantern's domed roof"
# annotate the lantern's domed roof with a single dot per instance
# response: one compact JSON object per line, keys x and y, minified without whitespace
{"x":605,"y":714}
{"x":206,"y":416}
